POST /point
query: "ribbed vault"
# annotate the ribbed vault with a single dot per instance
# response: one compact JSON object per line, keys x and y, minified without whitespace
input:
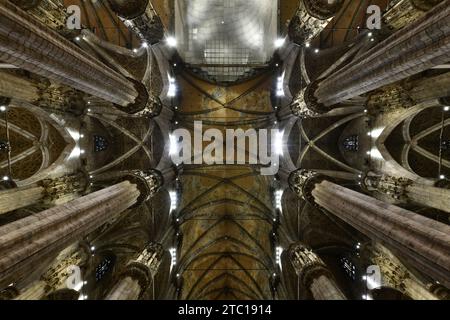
{"x":226,"y":211}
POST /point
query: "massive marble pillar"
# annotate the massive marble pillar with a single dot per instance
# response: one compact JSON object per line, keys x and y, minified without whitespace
{"x":138,"y":275}
{"x":314,"y":274}
{"x":411,"y":50}
{"x":421,"y":242}
{"x":29,"y":44}
{"x":139,"y":16}
{"x":311,"y":18}
{"x":48,"y":190}
{"x":404,"y":12}
{"x":25,"y":242}
{"x":406,"y":190}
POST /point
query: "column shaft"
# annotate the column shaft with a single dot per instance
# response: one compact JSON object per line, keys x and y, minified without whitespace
{"x":323,"y":288}
{"x":127,"y":289}
{"x":413,"y":49}
{"x":423,"y":242}
{"x":12,"y":86}
{"x":31,"y":45}
{"x":19,"y":198}
{"x":25,"y":242}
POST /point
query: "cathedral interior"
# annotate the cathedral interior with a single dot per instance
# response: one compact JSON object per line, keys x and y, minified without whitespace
{"x":93,"y":207}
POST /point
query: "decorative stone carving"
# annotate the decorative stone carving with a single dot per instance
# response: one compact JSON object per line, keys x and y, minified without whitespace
{"x":311,"y":18}
{"x":139,"y":16}
{"x":322,"y":9}
{"x":389,"y":98}
{"x":57,"y":188}
{"x":144,"y":268}
{"x":302,"y":182}
{"x":55,"y":277}
{"x":153,"y":108}
{"x":394,"y":187}
{"x":307,"y":264}
{"x":148,"y":183}
{"x":59,"y":97}
{"x":147,"y":26}
{"x":393,"y":275}
{"x":404,"y":12}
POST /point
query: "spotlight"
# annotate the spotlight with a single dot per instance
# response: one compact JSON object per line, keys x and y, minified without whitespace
{"x":316,"y":50}
{"x":2,"y":108}
{"x":280,"y":42}
{"x":171,"y":41}
{"x":307,"y":45}
{"x":5,"y":178}
{"x":446,"y":108}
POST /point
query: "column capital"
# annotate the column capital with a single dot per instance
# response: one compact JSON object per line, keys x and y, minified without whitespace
{"x":302,"y":182}
{"x":58,"y":187}
{"x":305,"y":104}
{"x":322,"y":9}
{"x":153,"y":107}
{"x":394,"y":187}
{"x":390,"y":98}
{"x":129,"y":9}
{"x":307,"y":264}
{"x":57,"y":96}
{"x":55,"y":277}
{"x":144,"y":268}
{"x":148,"y":183}
{"x":393,"y":274}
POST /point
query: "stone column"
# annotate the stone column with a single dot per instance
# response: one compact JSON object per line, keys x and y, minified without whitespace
{"x":29,"y":44}
{"x":404,"y":190}
{"x":411,"y":50}
{"x":139,"y":16}
{"x":48,"y":190}
{"x":421,"y":242}
{"x":404,"y":12}
{"x":139,"y":274}
{"x":311,"y":18}
{"x":314,"y":274}
{"x":25,"y":242}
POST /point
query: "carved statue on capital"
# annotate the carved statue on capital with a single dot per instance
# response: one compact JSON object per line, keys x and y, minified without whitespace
{"x":302,"y":182}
